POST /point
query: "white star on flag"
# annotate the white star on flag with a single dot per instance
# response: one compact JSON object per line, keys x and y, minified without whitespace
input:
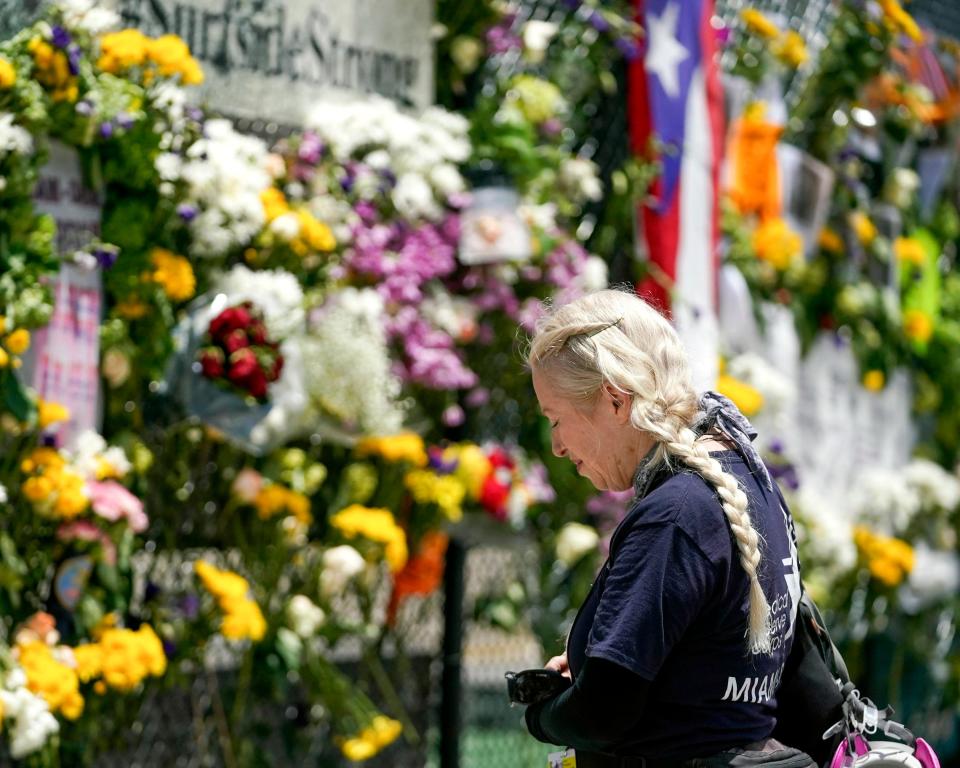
{"x":665,"y":52}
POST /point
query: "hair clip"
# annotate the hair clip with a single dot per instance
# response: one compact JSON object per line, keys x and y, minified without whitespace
{"x":604,"y":328}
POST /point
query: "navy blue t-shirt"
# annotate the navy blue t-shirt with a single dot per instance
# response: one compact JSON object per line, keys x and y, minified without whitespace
{"x":672,"y":607}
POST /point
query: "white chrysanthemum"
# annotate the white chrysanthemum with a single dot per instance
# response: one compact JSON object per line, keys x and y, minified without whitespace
{"x":574,"y":541}
{"x":883,"y":499}
{"x":542,"y":217}
{"x":275,"y":292}
{"x":3,"y":494}
{"x":594,"y":275}
{"x":13,"y":138}
{"x":340,"y":565}
{"x":90,"y":456}
{"x":778,"y":390}
{"x":348,"y":371}
{"x":416,"y":149}
{"x":304,"y":616}
{"x":580,"y":177}
{"x":28,"y":721}
{"x":936,"y":487}
{"x":225,"y":172}
{"x":414,"y":198}
{"x":169,"y":166}
{"x":935,"y":575}
{"x":88,"y":15}
{"x":286,"y":226}
{"x":536,"y":38}
{"x":824,"y":532}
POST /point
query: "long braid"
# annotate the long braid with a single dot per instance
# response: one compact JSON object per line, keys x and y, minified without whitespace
{"x":735,"y":507}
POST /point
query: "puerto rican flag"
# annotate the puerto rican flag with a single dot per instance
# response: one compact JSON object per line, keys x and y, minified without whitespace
{"x":675,"y":96}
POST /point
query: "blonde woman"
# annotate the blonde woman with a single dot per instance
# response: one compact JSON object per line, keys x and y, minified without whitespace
{"x":677,"y":653}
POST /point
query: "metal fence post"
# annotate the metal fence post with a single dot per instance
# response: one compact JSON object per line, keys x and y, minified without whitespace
{"x":451,"y":682}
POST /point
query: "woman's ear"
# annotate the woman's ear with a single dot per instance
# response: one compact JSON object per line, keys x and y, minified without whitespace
{"x":620,"y":401}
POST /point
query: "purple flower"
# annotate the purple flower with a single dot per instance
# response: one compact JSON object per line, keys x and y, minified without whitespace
{"x":84,"y":108}
{"x":186,"y":211}
{"x":106,"y":256}
{"x":598,"y":21}
{"x":106,"y":130}
{"x":195,"y":114}
{"x":310,"y":149}
{"x":124,"y":120}
{"x":477,"y":397}
{"x":501,"y":40}
{"x":629,"y":48}
{"x":169,"y":648}
{"x":60,"y":38}
{"x":723,"y":35}
{"x":453,"y":416}
{"x":190,"y":606}
{"x":73,"y":59}
{"x":551,"y":128}
{"x":367,"y":211}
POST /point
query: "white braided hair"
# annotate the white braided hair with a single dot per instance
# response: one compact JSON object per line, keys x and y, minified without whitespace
{"x":615,"y":337}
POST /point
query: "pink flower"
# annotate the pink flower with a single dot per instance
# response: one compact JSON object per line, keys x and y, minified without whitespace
{"x":84,"y":530}
{"x":112,"y":502}
{"x":247,"y":484}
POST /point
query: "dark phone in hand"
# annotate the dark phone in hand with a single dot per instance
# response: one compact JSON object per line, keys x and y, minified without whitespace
{"x":535,"y":685}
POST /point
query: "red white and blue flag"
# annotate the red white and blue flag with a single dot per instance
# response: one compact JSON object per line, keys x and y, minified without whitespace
{"x":675,"y":96}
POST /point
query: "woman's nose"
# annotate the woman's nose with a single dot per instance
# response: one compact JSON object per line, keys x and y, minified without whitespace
{"x":558,"y":450}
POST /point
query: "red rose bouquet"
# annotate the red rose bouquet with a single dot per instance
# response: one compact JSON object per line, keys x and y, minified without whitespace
{"x":237,"y":351}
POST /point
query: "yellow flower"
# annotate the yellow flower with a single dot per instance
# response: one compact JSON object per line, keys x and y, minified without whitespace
{"x":385,"y":730}
{"x":37,"y":489}
{"x":909,"y":250}
{"x":18,"y":342}
{"x":376,"y":525}
{"x":274,"y":203}
{"x":4,"y":358}
{"x":473,"y":466}
{"x":357,"y":749}
{"x":315,"y":233}
{"x":243,"y":620}
{"x":50,"y":679}
{"x":874,"y":380}
{"x":89,"y":659}
{"x":49,"y":412}
{"x":888,"y":559}
{"x":274,"y":498}
{"x":791,"y":49}
{"x":223,"y":585}
{"x":406,"y":446}
{"x":537,"y":99}
{"x":777,"y":244}
{"x":446,"y":491}
{"x":759,"y":24}
{"x":863,"y":228}
{"x":122,"y":50}
{"x":901,"y":20}
{"x":128,"y":656}
{"x":917,"y":325}
{"x":8,"y":75}
{"x":174,"y":274}
{"x":748,"y":399}
{"x":830,"y":240}
{"x":172,"y":57}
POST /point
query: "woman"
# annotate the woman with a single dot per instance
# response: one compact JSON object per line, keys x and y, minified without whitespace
{"x":678,"y":651}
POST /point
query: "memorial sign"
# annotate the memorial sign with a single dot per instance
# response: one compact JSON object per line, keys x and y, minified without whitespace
{"x":272,"y":60}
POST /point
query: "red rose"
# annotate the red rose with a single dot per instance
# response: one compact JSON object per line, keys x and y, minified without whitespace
{"x":235,"y":340}
{"x":211,"y":362}
{"x":257,"y":332}
{"x":257,"y":383}
{"x":277,"y":368}
{"x":493,"y":496}
{"x":242,"y":365}
{"x":500,"y":458}
{"x":229,"y":320}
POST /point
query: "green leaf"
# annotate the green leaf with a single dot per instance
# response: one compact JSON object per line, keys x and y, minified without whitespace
{"x":14,"y":397}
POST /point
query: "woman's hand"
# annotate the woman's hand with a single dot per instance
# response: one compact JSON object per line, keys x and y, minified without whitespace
{"x":559,"y":664}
